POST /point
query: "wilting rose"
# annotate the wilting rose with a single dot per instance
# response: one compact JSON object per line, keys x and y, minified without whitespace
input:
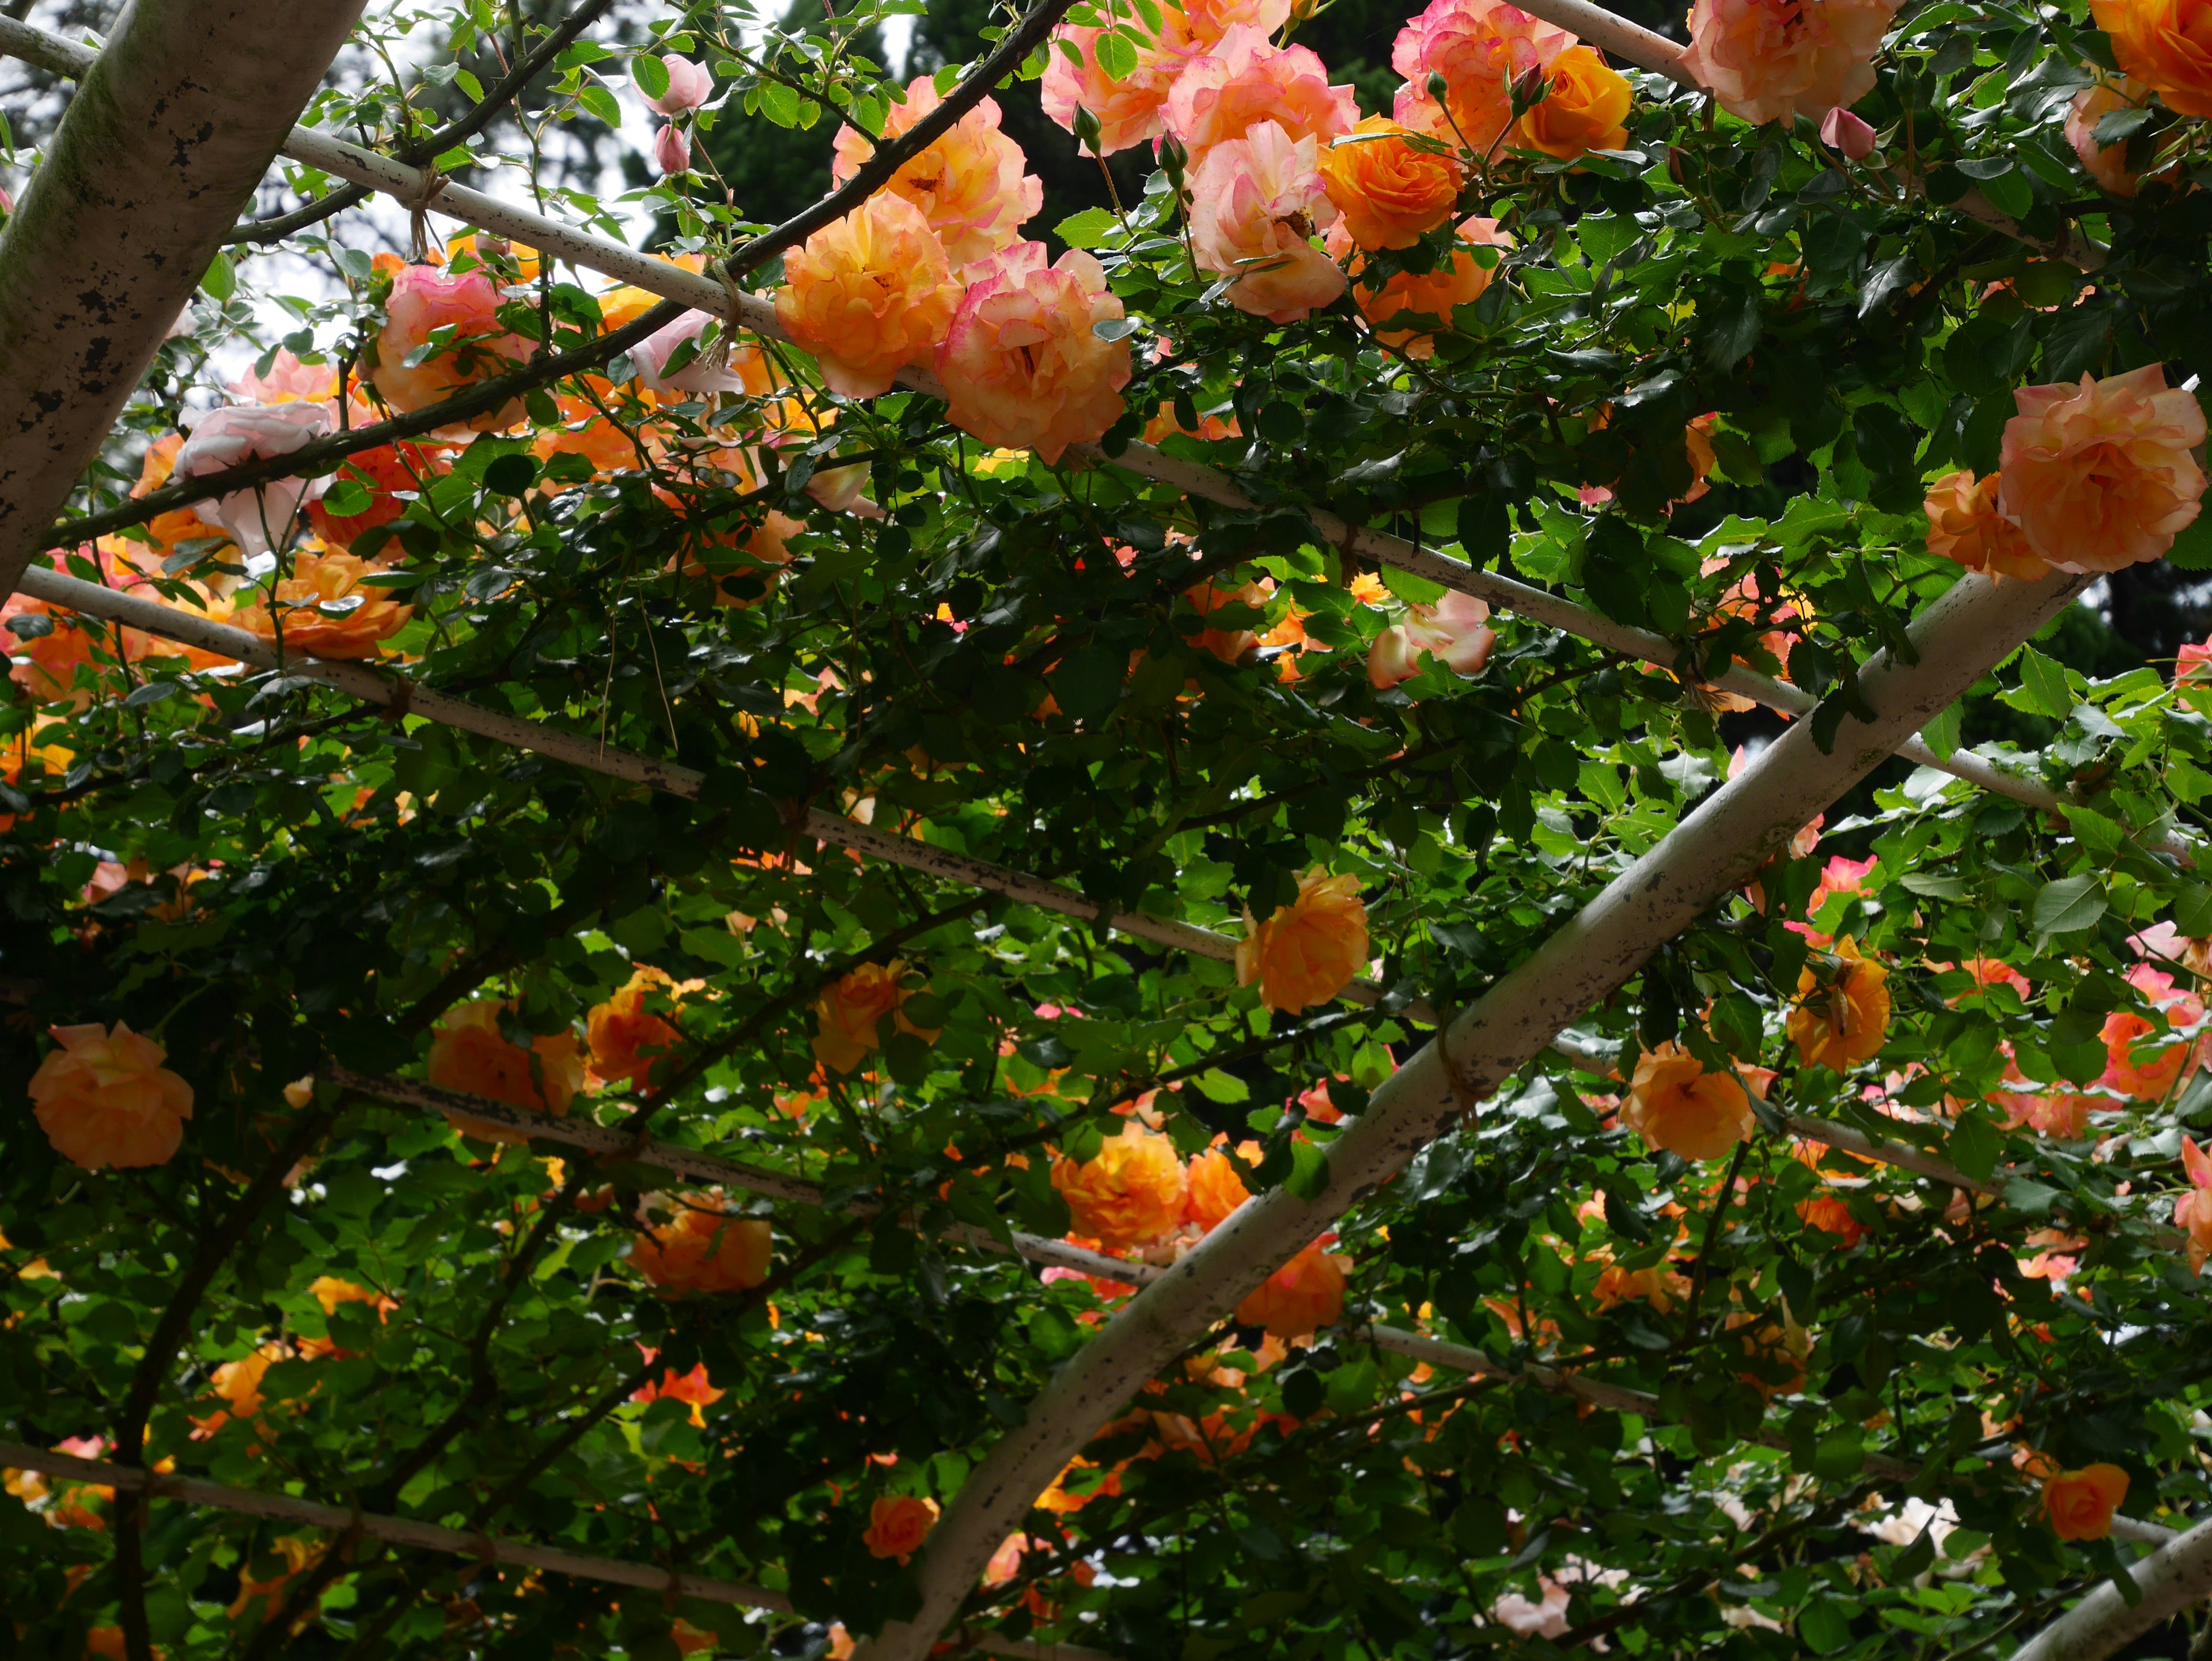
{"x":424,"y":300}
{"x":2106,"y":163}
{"x":1842,"y":1015}
{"x":320,"y":581}
{"x":1675,"y":1104}
{"x":850,"y":1014}
{"x":1434,"y":294}
{"x":1257,"y":201}
{"x":1585,"y":109}
{"x":2163,"y":44}
{"x":1129,"y":1193}
{"x":626,"y":1039}
{"x":1387,"y":190}
{"x":103,"y":1098}
{"x":1455,"y":630}
{"x":1311,"y":949}
{"x":290,"y":1555}
{"x":1480,"y":47}
{"x":1128,"y":111}
{"x":690,"y":85}
{"x":898,"y":1525}
{"x":691,"y":1244}
{"x":972,"y":184}
{"x":258,"y":517}
{"x":2080,"y":1504}
{"x":1774,"y":60}
{"x":2192,"y":1212}
{"x":868,"y":295}
{"x":2099,"y":477}
{"x":1214,"y":1188}
{"x":1965,"y":525}
{"x":2150,"y":1080}
{"x":1243,"y":82}
{"x":1299,"y":1298}
{"x":384,"y":473}
{"x":469,"y":1053}
{"x":1022,"y":362}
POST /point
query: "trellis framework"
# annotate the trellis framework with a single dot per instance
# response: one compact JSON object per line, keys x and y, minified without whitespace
{"x":1472,"y":1055}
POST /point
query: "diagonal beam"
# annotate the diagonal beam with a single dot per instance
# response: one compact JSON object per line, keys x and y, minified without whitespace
{"x":166,"y":140}
{"x":2170,"y":1579}
{"x":1957,"y":640}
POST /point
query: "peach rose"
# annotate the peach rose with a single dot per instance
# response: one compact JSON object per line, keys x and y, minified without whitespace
{"x":2099,"y":476}
{"x":848,"y":1015}
{"x":2165,"y":45}
{"x":1832,"y":1216}
{"x":1022,"y":363}
{"x":1212,"y":18}
{"x":1675,"y":1104}
{"x":44,"y":665}
{"x":1256,"y":203}
{"x":699,"y":1247}
{"x":469,"y":1053}
{"x":626,"y":1039}
{"x":971,"y":185}
{"x":1214,"y":1187}
{"x":2063,"y":1114}
{"x":2192,"y":1212}
{"x":1455,"y":631}
{"x":1129,"y":1193}
{"x":1480,"y":47}
{"x":103,"y":1097}
{"x":1128,"y":111}
{"x":2106,"y":163}
{"x":868,"y":295}
{"x":898,"y":1525}
{"x":329,"y":1292}
{"x":1965,"y":525}
{"x":1774,"y":60}
{"x":1434,"y":294}
{"x":423,"y":301}
{"x":1299,"y":1298}
{"x":1584,"y":108}
{"x":1842,"y":1015}
{"x":2080,"y":1504}
{"x":1311,"y":949}
{"x":2150,"y":1080}
{"x":1388,"y":192}
{"x":322,"y":610}
{"x":1244,"y":82}
{"x":1227,"y":644}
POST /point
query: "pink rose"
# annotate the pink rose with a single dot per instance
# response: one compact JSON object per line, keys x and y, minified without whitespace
{"x":1774,"y":60}
{"x":690,"y":85}
{"x":2192,"y":1212}
{"x":1258,"y":200}
{"x":238,"y":432}
{"x":1022,"y":364}
{"x":1454,"y":631}
{"x":672,"y":150}
{"x":2107,"y":163}
{"x":649,"y":358}
{"x":1842,"y":130}
{"x":1244,"y":82}
{"x":1480,"y":47}
{"x":423,"y":301}
{"x":2099,"y":477}
{"x":1127,"y":111}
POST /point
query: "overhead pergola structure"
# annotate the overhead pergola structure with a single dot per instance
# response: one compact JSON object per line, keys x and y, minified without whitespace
{"x":174,"y":123}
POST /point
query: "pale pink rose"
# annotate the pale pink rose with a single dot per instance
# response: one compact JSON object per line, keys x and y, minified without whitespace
{"x":288,"y":382}
{"x":1006,"y":1563}
{"x":649,"y":358}
{"x":1257,"y":201}
{"x":1243,"y":82}
{"x":1774,"y":60}
{"x":1021,"y":365}
{"x":1128,"y":111}
{"x":1480,"y":47}
{"x":2192,"y":1212}
{"x":971,"y":185}
{"x":1843,"y":131}
{"x":2099,"y":477}
{"x":239,"y":433}
{"x":2107,"y":165}
{"x":2160,"y":939}
{"x":423,"y":301}
{"x":672,"y":150}
{"x":690,"y":85}
{"x":1454,"y":631}
{"x":1530,"y":1620}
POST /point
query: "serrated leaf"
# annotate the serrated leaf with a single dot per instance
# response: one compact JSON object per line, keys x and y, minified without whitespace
{"x":2046,"y":684}
{"x":1088,"y":229}
{"x":2069,"y":904}
{"x":650,"y":74}
{"x":1219,"y":1087}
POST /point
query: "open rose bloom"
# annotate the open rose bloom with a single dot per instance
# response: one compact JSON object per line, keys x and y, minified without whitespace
{"x":322,"y":609}
{"x":1128,"y":111}
{"x":691,"y":1244}
{"x":1387,"y":190}
{"x":2081,"y":1504}
{"x":973,"y":185}
{"x":898,"y":1525}
{"x":1129,"y":1193}
{"x":849,"y":1016}
{"x":1436,"y":294}
{"x":2164,"y":44}
{"x":257,"y":519}
{"x":1774,"y":60}
{"x":869,"y":295}
{"x":1022,"y":363}
{"x":1480,"y":47}
{"x":2106,"y":163}
{"x":469,"y":1053}
{"x":1299,"y":1298}
{"x":2192,"y":1212}
{"x":103,"y":1098}
{"x":424,"y":301}
{"x":1244,"y":82}
{"x":1310,"y":950}
{"x":1455,"y":631}
{"x":2099,"y":477}
{"x":1259,"y":199}
{"x":1675,"y":1104}
{"x":1965,"y":525}
{"x":1584,"y":108}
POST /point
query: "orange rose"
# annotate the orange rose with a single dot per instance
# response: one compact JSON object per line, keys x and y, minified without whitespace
{"x":468,"y":1052}
{"x":1661,"y":1288}
{"x":743,"y":583}
{"x":1584,"y":108}
{"x":1227,"y":644}
{"x":2164,"y":44}
{"x":322,"y":609}
{"x":1675,"y":1104}
{"x":383,"y":471}
{"x":2099,"y":476}
{"x":1773,"y":60}
{"x":695,"y":1389}
{"x":1311,"y":949}
{"x":1435,"y":293}
{"x":1129,"y":1193}
{"x":1832,"y":1216}
{"x":237,"y":1384}
{"x":850,"y":1014}
{"x":868,"y":295}
{"x":1964,"y":525}
{"x":625,"y":1037}
{"x":2080,"y":1504}
{"x":898,"y":1525}
{"x":970,"y":184}
{"x":1480,"y":48}
{"x":1129,"y":109}
{"x":1842,"y":1015}
{"x":1214,"y":1186}
{"x":700,"y":1248}
{"x":292,"y":1555}
{"x":329,"y":1292}
{"x":1779,"y":1349}
{"x":1299,"y":1298}
{"x":1388,"y":192}
{"x":103,"y":1097}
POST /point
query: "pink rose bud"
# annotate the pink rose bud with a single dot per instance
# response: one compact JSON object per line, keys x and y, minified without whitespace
{"x":690,"y":85}
{"x":1842,"y":130}
{"x":672,"y":150}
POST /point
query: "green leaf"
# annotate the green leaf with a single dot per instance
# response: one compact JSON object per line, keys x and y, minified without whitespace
{"x":220,"y":280}
{"x":1088,"y":682}
{"x":650,"y":74}
{"x":2067,"y":904}
{"x":2046,"y":684}
{"x":2192,"y":549}
{"x":1942,"y":735}
{"x":1091,"y":229}
{"x":1974,"y":1145}
{"x":1825,"y":1624}
{"x":1219,"y":1087}
{"x":2192,"y":910}
{"x":1115,"y":55}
